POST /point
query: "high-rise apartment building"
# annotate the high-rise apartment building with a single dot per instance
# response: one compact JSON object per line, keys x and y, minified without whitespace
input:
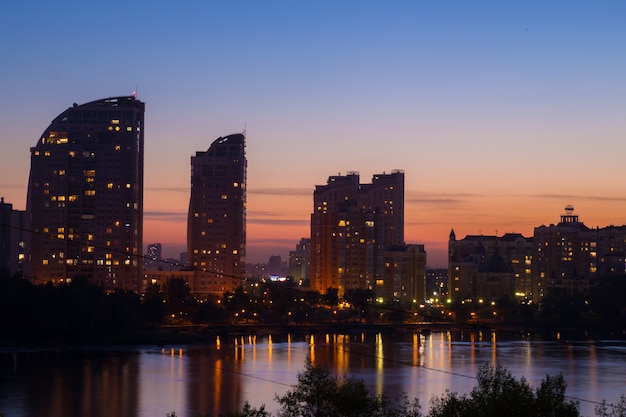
{"x":351,"y":225}
{"x":85,"y":195}
{"x":216,"y":225}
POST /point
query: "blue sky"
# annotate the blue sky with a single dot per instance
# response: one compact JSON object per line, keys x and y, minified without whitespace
{"x":500,"y":113}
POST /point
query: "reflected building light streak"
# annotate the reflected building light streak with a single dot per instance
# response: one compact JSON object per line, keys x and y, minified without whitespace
{"x":312,"y":349}
{"x":494,"y":353}
{"x":218,"y":380}
{"x":449,"y":350}
{"x":416,"y":346}
{"x":380,"y":364}
{"x":218,"y":343}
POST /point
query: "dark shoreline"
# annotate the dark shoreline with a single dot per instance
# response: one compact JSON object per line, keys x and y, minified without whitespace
{"x":185,"y":335}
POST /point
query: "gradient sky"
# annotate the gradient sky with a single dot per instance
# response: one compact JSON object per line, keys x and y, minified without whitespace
{"x":500,"y":113}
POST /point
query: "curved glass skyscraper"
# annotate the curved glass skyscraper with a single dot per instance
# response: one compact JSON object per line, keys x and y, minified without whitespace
{"x":216,"y":223}
{"x":85,"y":195}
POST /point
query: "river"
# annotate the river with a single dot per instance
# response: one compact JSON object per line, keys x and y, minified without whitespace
{"x":217,"y":377}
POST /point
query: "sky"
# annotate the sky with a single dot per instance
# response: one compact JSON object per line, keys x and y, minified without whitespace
{"x":499,"y":113}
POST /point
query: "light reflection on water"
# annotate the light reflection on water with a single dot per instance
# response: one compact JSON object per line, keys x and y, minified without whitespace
{"x":217,"y":377}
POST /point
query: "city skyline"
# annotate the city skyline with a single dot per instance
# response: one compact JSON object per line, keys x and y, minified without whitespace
{"x":499,"y":115}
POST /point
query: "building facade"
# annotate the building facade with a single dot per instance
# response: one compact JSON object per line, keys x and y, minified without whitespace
{"x":216,"y":225}
{"x":85,"y":196}
{"x":13,"y":239}
{"x":351,"y":225}
{"x":300,"y":262}
{"x":404,"y":280}
{"x":566,"y":255}
{"x":489,"y":267}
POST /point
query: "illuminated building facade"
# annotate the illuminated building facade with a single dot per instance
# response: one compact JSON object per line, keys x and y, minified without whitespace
{"x":566,"y":254}
{"x":405,"y":275}
{"x":351,"y":225}
{"x":216,"y":222}
{"x":300,"y":261}
{"x":484,"y":267}
{"x":85,"y":195}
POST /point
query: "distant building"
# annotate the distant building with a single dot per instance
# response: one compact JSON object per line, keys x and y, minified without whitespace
{"x":161,"y":277}
{"x":184,"y":258}
{"x":566,"y":255}
{"x":216,"y":225}
{"x":152,"y":259}
{"x":483,"y":267}
{"x":300,"y":261}
{"x":85,"y":196}
{"x":13,"y":239}
{"x":351,"y":225}
{"x":437,"y":285}
{"x":404,"y":279}
{"x":274,"y":266}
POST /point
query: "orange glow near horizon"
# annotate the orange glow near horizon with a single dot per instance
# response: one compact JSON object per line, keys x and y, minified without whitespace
{"x":276,"y":232}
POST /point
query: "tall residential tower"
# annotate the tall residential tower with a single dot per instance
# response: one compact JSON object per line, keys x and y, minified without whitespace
{"x":85,"y":195}
{"x":351,"y":226}
{"x":216,"y":222}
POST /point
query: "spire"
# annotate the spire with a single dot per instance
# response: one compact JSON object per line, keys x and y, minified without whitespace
{"x":452,"y":235}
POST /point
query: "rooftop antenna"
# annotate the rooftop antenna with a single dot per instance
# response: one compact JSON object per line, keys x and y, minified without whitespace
{"x":245,"y":128}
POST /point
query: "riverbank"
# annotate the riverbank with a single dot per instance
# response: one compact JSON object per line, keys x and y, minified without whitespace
{"x":197,"y":334}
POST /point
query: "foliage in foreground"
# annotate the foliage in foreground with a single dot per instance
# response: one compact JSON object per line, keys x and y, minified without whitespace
{"x":319,"y":393}
{"x":498,"y":393}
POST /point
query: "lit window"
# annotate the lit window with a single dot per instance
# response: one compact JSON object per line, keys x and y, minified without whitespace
{"x":110,"y":185}
{"x":342,"y":223}
{"x":115,"y":122}
{"x":44,"y":262}
{"x":224,"y":197}
{"x":90,"y":192}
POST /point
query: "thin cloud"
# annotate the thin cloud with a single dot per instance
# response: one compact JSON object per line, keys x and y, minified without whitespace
{"x":578,"y":197}
{"x":165,"y":215}
{"x":168,"y":189}
{"x":279,"y":222}
{"x":272,"y":241}
{"x":282,"y":191}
